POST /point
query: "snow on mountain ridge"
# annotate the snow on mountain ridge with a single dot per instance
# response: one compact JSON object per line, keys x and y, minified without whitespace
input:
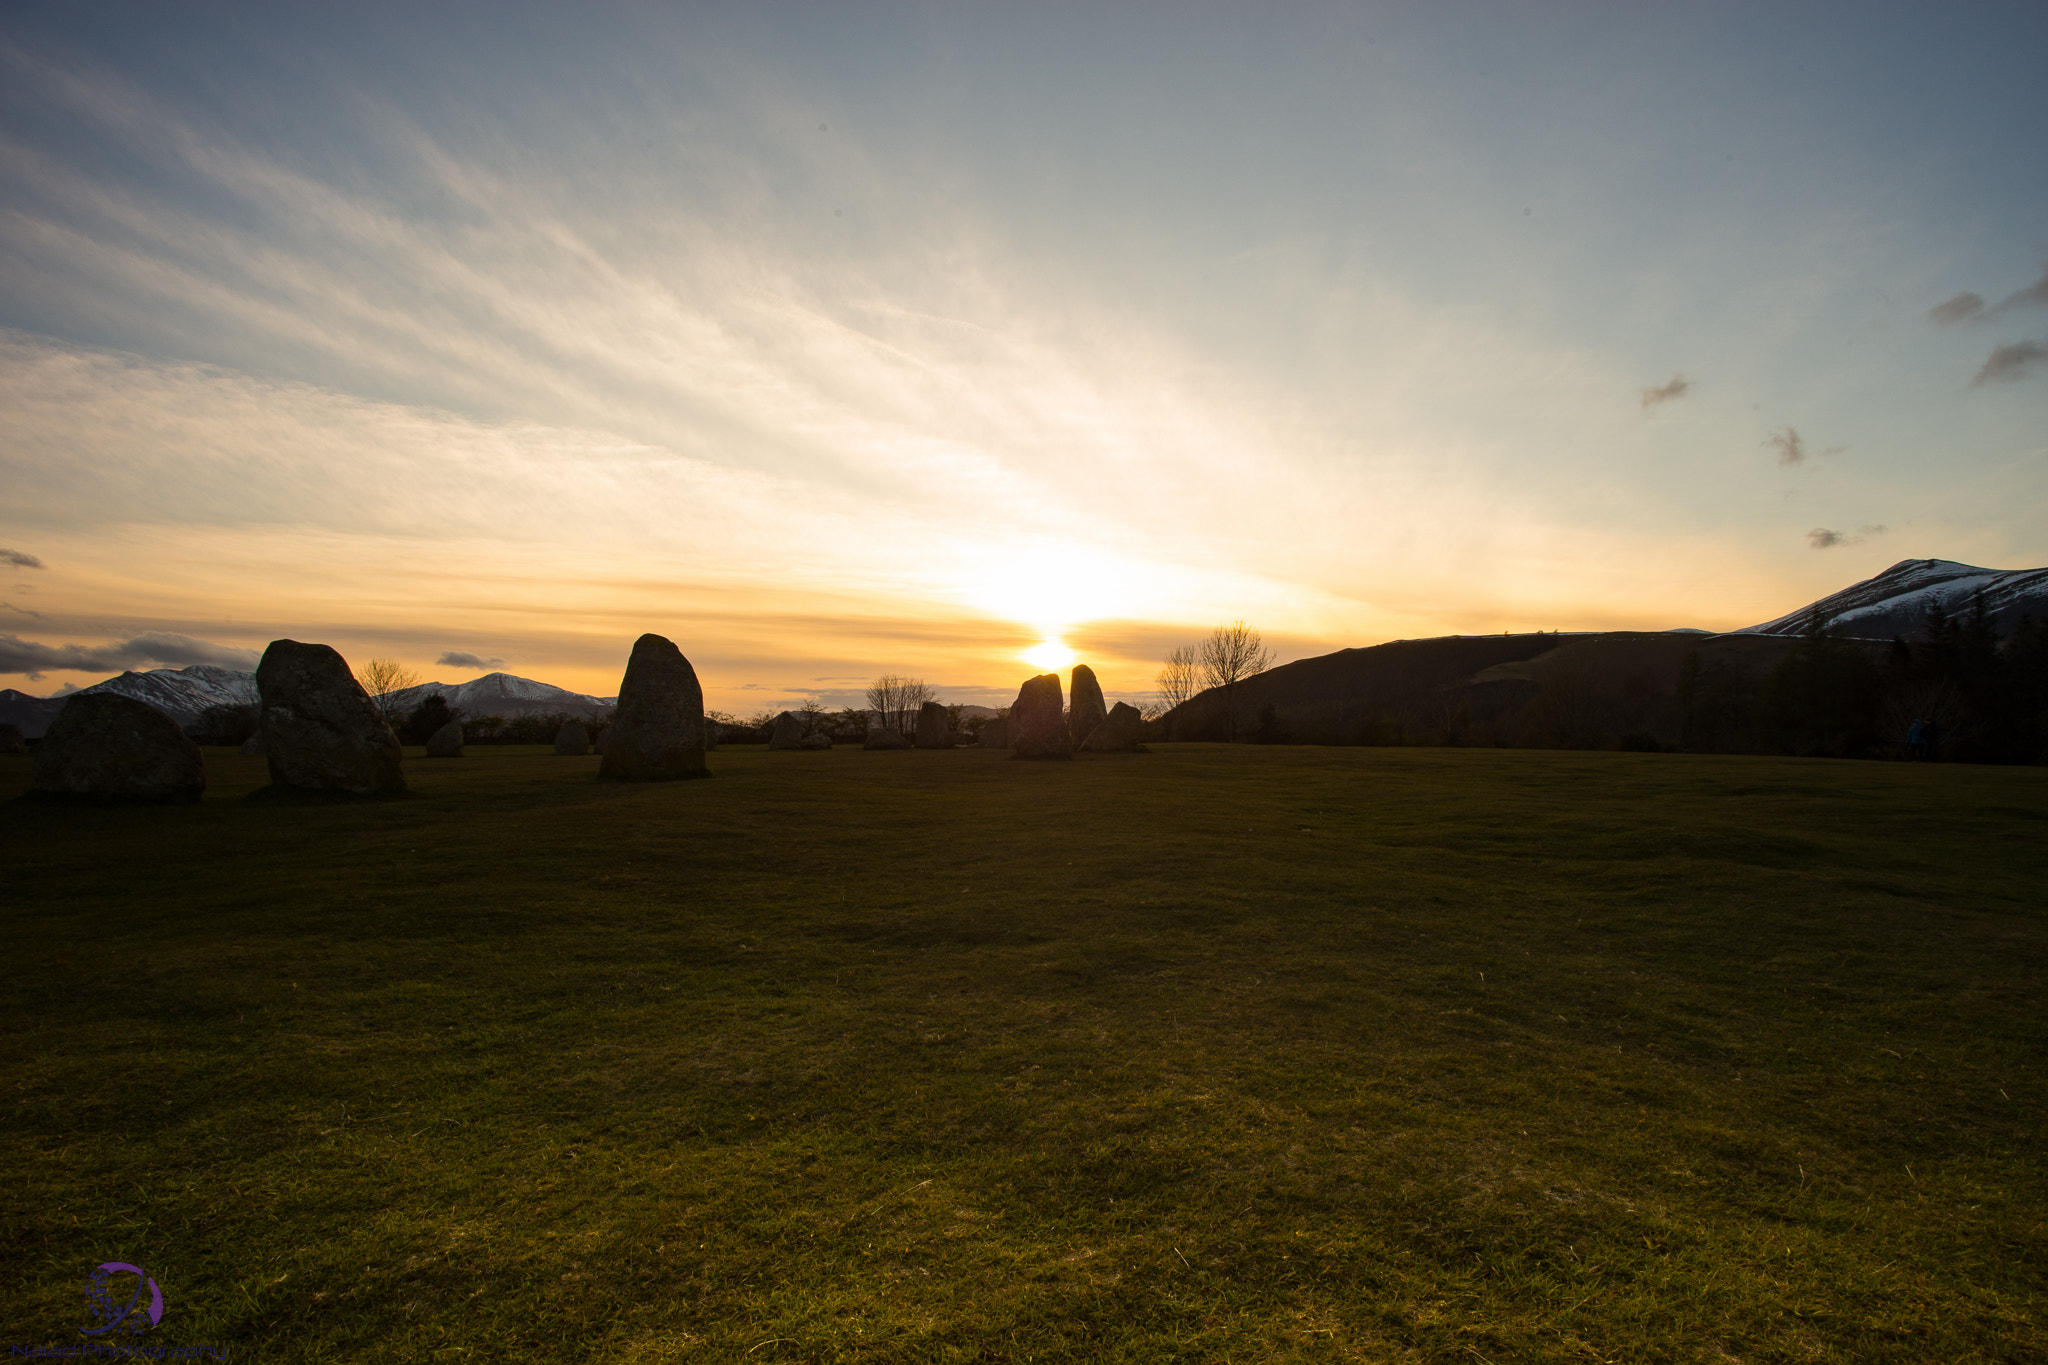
{"x":1895,"y":602}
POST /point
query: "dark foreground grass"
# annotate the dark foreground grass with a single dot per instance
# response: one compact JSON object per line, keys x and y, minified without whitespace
{"x":1212,"y":1054}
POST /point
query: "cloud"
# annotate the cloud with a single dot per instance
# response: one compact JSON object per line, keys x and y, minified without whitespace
{"x":1820,"y":538}
{"x":462,"y":658}
{"x":2010,"y":361}
{"x":1677,"y":388}
{"x":1786,"y":441}
{"x":23,"y":610}
{"x":2033,"y":296}
{"x":1958,"y":309}
{"x":163,"y":648}
{"x":20,"y":560}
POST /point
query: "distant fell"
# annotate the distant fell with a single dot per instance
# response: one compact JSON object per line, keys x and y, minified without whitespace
{"x":1895,"y":602}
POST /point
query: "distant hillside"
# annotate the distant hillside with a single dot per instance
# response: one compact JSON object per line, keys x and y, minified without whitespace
{"x":183,"y":694}
{"x":1895,"y":602}
{"x":1576,"y":691}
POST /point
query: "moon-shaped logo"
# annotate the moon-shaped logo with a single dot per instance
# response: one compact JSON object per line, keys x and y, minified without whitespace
{"x":108,"y":1312}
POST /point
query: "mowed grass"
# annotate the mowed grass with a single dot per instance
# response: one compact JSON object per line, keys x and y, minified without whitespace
{"x":1210,"y":1054}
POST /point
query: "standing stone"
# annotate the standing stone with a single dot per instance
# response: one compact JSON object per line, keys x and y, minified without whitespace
{"x":787,"y":734}
{"x":11,"y":741}
{"x":659,"y":733}
{"x":820,"y":740}
{"x":446,"y":742}
{"x":107,"y":747}
{"x":881,"y":737}
{"x":1085,"y":707}
{"x":995,"y":734}
{"x":1038,"y":725}
{"x":321,"y":731}
{"x":254,"y":744}
{"x":572,"y":740}
{"x":931,"y":727}
{"x":1118,"y":733}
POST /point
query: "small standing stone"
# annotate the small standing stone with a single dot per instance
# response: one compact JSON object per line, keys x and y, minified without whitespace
{"x":932,"y":731}
{"x":1118,"y":733}
{"x":659,"y":733}
{"x":995,"y":734}
{"x":446,"y":742}
{"x":11,"y":741}
{"x":787,"y":734}
{"x":1038,"y":724}
{"x":820,"y":740}
{"x":881,"y":737}
{"x":254,"y":744}
{"x":572,"y":740}
{"x":107,"y":747}
{"x":321,"y":731}
{"x":1085,"y":708}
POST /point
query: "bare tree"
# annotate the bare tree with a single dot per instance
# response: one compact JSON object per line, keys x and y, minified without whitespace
{"x":1180,"y":677}
{"x":1230,"y":655}
{"x":894,"y":700}
{"x":383,"y":679}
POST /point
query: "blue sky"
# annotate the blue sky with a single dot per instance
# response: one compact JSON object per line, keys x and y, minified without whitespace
{"x":836,"y":340}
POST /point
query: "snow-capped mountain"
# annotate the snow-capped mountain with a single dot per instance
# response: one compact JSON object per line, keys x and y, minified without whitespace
{"x":183,"y":694}
{"x":503,"y":694}
{"x":1896,"y":601}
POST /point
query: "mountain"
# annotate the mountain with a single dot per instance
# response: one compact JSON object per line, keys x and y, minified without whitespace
{"x":183,"y":694}
{"x":502,"y":694}
{"x":1896,"y":601}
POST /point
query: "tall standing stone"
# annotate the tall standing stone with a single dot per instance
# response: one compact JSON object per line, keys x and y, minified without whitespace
{"x":1118,"y":733}
{"x":107,"y":747}
{"x":1038,"y":726}
{"x":659,"y":733}
{"x":787,"y":734}
{"x":934,"y":727}
{"x":321,"y":731}
{"x":1085,"y":708}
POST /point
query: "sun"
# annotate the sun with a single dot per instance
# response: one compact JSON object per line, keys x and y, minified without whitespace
{"x":1051,"y":655}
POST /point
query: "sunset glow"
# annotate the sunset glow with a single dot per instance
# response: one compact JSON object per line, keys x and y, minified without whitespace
{"x":946,"y":342}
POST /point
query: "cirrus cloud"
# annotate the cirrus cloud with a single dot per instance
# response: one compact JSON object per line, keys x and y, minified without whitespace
{"x":462,"y":658}
{"x":1664,"y":393}
{"x":20,"y":559}
{"x":2010,"y":361}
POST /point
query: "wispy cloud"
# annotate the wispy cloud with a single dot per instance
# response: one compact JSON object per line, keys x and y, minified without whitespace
{"x":1788,"y":444}
{"x":2009,"y":362}
{"x":9,"y":606}
{"x":1678,"y":387}
{"x":462,"y":658}
{"x":162,"y":648}
{"x":20,"y":560}
{"x":2034,"y":295}
{"x":1961,"y":308}
{"x":1820,"y":538}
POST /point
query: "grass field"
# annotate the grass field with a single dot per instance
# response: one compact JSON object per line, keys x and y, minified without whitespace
{"x":1211,"y":1054}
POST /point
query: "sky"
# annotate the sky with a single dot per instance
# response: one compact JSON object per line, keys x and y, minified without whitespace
{"x":957,"y":340}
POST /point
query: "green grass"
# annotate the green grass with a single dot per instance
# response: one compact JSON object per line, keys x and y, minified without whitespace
{"x":1212,"y":1054}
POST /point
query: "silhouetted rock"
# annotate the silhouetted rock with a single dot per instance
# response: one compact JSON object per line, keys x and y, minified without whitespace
{"x":932,"y":731}
{"x":107,"y":747}
{"x":821,"y":740}
{"x":788,"y":732}
{"x":1085,"y":707}
{"x":446,"y":742}
{"x":995,"y":734}
{"x":880,"y":737}
{"x":1038,"y":725}
{"x":1118,"y":733}
{"x":254,"y":744}
{"x":659,"y":733}
{"x":321,"y":731}
{"x":572,"y":740}
{"x":11,"y":741}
